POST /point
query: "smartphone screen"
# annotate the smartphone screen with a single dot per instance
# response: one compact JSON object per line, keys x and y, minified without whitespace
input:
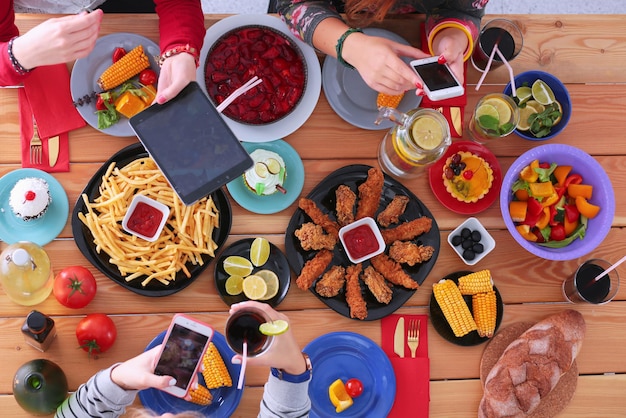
{"x":436,"y":76}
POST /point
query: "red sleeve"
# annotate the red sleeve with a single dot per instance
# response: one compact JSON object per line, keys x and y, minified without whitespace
{"x":181,"y":22}
{"x":8,"y":76}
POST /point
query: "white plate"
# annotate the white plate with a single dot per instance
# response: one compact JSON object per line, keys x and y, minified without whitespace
{"x":290,"y":123}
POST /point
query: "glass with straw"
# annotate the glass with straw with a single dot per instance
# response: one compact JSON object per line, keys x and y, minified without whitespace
{"x":502,"y":32}
{"x":594,"y":281}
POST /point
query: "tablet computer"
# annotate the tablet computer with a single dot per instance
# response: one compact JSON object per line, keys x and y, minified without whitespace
{"x":191,"y":144}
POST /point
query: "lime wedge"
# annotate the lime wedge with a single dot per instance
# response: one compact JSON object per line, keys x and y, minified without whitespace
{"x":274,"y":328}
{"x":523,"y":94}
{"x":427,"y":133}
{"x":502,"y":107}
{"x":542,"y":92}
{"x":259,"y":251}
{"x":236,"y":265}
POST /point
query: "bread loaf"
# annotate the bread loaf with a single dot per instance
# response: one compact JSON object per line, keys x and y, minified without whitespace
{"x":532,"y":365}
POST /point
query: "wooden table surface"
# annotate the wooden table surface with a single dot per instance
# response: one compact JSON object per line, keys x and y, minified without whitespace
{"x":586,"y":52}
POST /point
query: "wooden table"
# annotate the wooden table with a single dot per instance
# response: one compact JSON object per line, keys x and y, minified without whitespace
{"x":586,"y":52}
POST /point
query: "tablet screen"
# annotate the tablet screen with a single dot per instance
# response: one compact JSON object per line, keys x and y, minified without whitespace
{"x":192,"y":145}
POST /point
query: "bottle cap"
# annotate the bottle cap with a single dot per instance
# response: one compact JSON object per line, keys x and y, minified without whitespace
{"x":36,"y":321}
{"x":21,"y":257}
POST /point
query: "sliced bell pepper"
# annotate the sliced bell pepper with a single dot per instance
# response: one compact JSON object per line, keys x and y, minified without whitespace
{"x":545,"y":189}
{"x":570,"y":226}
{"x":551,"y":200}
{"x":518,"y":210}
{"x":521,"y":194}
{"x":561,"y":173}
{"x":528,"y":173}
{"x":571,"y":213}
{"x":573,"y":179}
{"x":585,"y":208}
{"x":584,"y":190}
{"x":534,"y":207}
{"x":544,"y":218}
{"x":525,"y":232}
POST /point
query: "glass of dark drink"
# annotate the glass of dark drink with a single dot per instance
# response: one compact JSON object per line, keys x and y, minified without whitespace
{"x":582,"y":286}
{"x":503,"y":32}
{"x":243,"y":325}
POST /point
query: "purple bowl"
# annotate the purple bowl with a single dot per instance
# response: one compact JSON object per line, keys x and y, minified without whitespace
{"x":592,"y":173}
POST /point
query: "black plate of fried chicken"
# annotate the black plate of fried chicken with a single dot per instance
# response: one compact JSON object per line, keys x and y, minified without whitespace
{"x":376,"y":287}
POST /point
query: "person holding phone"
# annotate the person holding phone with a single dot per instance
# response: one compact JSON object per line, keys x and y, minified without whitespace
{"x":67,"y":38}
{"x":451,"y":26}
{"x":110,"y":391}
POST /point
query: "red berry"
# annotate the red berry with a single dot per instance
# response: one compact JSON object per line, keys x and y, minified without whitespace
{"x":30,"y":195}
{"x":467,"y":175}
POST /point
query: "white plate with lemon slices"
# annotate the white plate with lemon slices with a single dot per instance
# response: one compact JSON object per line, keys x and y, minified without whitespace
{"x":252,"y":269}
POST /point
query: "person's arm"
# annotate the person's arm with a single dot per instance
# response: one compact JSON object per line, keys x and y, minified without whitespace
{"x":8,"y":30}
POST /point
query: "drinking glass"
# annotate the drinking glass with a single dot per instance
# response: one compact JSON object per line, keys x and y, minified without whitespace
{"x":495,"y":116}
{"x":243,"y":325}
{"x":503,"y":32}
{"x":580,"y":287}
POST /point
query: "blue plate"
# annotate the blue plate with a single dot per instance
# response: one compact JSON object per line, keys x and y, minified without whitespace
{"x":346,"y":355}
{"x":277,"y":201}
{"x":41,"y":230}
{"x":225,"y":400}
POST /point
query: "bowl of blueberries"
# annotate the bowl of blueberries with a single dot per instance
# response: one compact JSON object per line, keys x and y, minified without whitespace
{"x":471,"y":241}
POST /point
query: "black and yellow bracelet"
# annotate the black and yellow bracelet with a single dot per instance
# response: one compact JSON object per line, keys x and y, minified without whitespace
{"x":339,"y":46}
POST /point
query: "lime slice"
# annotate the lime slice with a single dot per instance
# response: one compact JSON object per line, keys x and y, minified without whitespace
{"x":487,"y":110}
{"x":273,"y":165}
{"x":271,"y":280}
{"x":558,"y":119}
{"x":542,"y":92}
{"x":427,"y":133}
{"x":523,"y":94}
{"x":524,"y":114}
{"x":261,"y":170}
{"x":274,"y":328}
{"x":254,"y":287}
{"x":502,"y":107}
{"x":234,"y":285}
{"x":237,"y":266}
{"x":259,"y":251}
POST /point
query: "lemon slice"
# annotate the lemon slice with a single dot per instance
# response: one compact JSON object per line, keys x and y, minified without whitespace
{"x":234,"y":285}
{"x":274,"y":328}
{"x":261,"y":170}
{"x":542,"y":92}
{"x":338,"y":396}
{"x":427,"y":133}
{"x":523,"y":94}
{"x":502,"y":107}
{"x":536,"y":105}
{"x":273,"y":165}
{"x":524,"y":114}
{"x":254,"y":287}
{"x":259,"y":251}
{"x":271,"y":280}
{"x":487,"y":110}
{"x":236,"y":265}
{"x":558,"y":119}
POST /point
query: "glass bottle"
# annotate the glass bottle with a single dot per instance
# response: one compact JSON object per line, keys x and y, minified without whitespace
{"x":39,"y":330}
{"x":25,"y":273}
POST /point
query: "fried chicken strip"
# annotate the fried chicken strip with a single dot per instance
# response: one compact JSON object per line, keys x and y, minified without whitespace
{"x":312,"y":237}
{"x":354,"y":298}
{"x":344,"y":206}
{"x":376,"y":283}
{"x":408,"y":230}
{"x":410,"y":253}
{"x":369,"y":193}
{"x":331,"y":282}
{"x":392,"y":212}
{"x":320,"y":218}
{"x":392,"y":271}
{"x":313,"y":269}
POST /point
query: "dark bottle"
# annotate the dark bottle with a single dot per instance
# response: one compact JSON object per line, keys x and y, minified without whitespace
{"x":39,"y":330}
{"x":40,"y":386}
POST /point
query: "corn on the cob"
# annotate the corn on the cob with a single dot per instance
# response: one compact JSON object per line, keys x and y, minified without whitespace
{"x":454,"y":307}
{"x":126,"y":67}
{"x":485,"y":311}
{"x":201,"y":395}
{"x":215,"y":372}
{"x":388,"y":100}
{"x":476,"y":283}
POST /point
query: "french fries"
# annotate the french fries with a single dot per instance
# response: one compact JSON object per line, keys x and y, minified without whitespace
{"x":187,"y":236}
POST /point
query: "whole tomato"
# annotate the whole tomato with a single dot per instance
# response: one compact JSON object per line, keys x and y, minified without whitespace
{"x":147,"y":77}
{"x":74,"y":287}
{"x":354,"y":387}
{"x":96,"y":333}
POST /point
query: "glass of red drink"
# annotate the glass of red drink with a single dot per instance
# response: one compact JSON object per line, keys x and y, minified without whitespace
{"x":243,"y":325}
{"x":581,"y":287}
{"x":503,"y":32}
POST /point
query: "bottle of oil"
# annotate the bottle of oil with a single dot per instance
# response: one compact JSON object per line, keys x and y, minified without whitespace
{"x":25,"y":273}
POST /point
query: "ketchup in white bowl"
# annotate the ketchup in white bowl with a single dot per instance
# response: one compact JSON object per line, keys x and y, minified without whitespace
{"x":362,"y":240}
{"x":145,"y":217}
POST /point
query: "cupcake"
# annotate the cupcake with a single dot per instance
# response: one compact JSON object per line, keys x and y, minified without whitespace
{"x":467,"y":176}
{"x":30,"y":198}
{"x":268,"y":173}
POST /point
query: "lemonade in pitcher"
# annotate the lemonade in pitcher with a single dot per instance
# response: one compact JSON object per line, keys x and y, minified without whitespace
{"x":496,"y":115}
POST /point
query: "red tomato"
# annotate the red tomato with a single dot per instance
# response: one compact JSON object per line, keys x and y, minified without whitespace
{"x":96,"y":333}
{"x":354,"y":387}
{"x":557,"y":233}
{"x":100,"y":103}
{"x":147,"y":77}
{"x":74,"y":287}
{"x":118,"y":53}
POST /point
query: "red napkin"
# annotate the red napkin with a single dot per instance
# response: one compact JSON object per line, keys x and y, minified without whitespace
{"x":412,"y":374}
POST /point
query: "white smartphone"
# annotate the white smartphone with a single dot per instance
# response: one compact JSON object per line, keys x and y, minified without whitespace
{"x":182,"y":350}
{"x":439,"y":81}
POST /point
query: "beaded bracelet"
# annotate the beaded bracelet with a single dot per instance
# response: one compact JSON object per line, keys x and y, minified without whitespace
{"x":339,"y":46}
{"x":179,"y":50}
{"x":14,"y":62}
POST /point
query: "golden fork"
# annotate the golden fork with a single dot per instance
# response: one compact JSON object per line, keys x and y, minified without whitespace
{"x":35,"y":146}
{"x":413,"y":336}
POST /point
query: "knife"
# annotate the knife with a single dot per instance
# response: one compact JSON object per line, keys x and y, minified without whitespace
{"x":398,"y":338}
{"x":53,"y":150}
{"x":455,"y":115}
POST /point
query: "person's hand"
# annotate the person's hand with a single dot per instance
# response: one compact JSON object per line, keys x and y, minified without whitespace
{"x":58,"y":40}
{"x":285,"y":353}
{"x":177,"y":71}
{"x":137,"y":373}
{"x":452,"y":44}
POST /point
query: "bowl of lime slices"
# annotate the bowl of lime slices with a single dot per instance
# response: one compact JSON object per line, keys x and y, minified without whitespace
{"x":544,"y":102}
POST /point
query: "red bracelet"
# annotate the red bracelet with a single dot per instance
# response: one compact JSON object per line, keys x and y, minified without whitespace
{"x":179,"y":50}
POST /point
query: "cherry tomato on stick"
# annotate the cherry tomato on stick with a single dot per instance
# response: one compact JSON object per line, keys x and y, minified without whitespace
{"x":96,"y":333}
{"x":74,"y":287}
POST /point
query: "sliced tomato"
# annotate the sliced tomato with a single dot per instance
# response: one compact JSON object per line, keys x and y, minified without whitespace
{"x":118,"y":53}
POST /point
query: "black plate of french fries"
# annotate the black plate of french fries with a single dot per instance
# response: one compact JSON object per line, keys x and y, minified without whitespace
{"x":185,"y":247}
{"x":324,"y":196}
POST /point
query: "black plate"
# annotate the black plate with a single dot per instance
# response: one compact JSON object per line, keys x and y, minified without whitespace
{"x":324,"y":195}
{"x":84,"y":238}
{"x":442,"y":326}
{"x":277,"y":263}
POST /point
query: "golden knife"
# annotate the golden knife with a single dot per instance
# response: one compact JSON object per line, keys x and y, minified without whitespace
{"x":455,"y":115}
{"x":398,"y":338}
{"x":53,"y":150}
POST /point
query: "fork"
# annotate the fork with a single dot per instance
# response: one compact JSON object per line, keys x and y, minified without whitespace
{"x":413,"y":336}
{"x":35,"y":146}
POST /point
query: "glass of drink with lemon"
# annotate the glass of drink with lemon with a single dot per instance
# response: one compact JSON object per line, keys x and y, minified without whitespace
{"x":420,"y":137}
{"x":495,"y":116}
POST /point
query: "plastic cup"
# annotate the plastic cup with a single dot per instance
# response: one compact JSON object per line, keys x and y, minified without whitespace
{"x":581,"y":288}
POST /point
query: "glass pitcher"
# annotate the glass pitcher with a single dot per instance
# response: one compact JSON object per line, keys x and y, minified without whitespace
{"x":420,"y":137}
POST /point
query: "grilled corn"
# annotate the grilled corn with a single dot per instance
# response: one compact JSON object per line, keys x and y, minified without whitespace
{"x":215,"y":372}
{"x":388,"y":100}
{"x":126,"y":67}
{"x":485,"y":311}
{"x":201,"y":395}
{"x":476,"y":283}
{"x":454,"y":307}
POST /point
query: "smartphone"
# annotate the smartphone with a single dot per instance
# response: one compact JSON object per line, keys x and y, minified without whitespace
{"x":182,"y":350}
{"x":191,"y":144}
{"x":439,"y":81}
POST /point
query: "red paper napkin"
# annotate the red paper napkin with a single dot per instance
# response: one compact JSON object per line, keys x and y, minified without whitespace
{"x":412,"y":374}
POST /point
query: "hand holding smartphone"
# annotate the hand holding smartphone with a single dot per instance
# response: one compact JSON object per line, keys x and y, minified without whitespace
{"x":439,"y":80}
{"x":182,"y":350}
